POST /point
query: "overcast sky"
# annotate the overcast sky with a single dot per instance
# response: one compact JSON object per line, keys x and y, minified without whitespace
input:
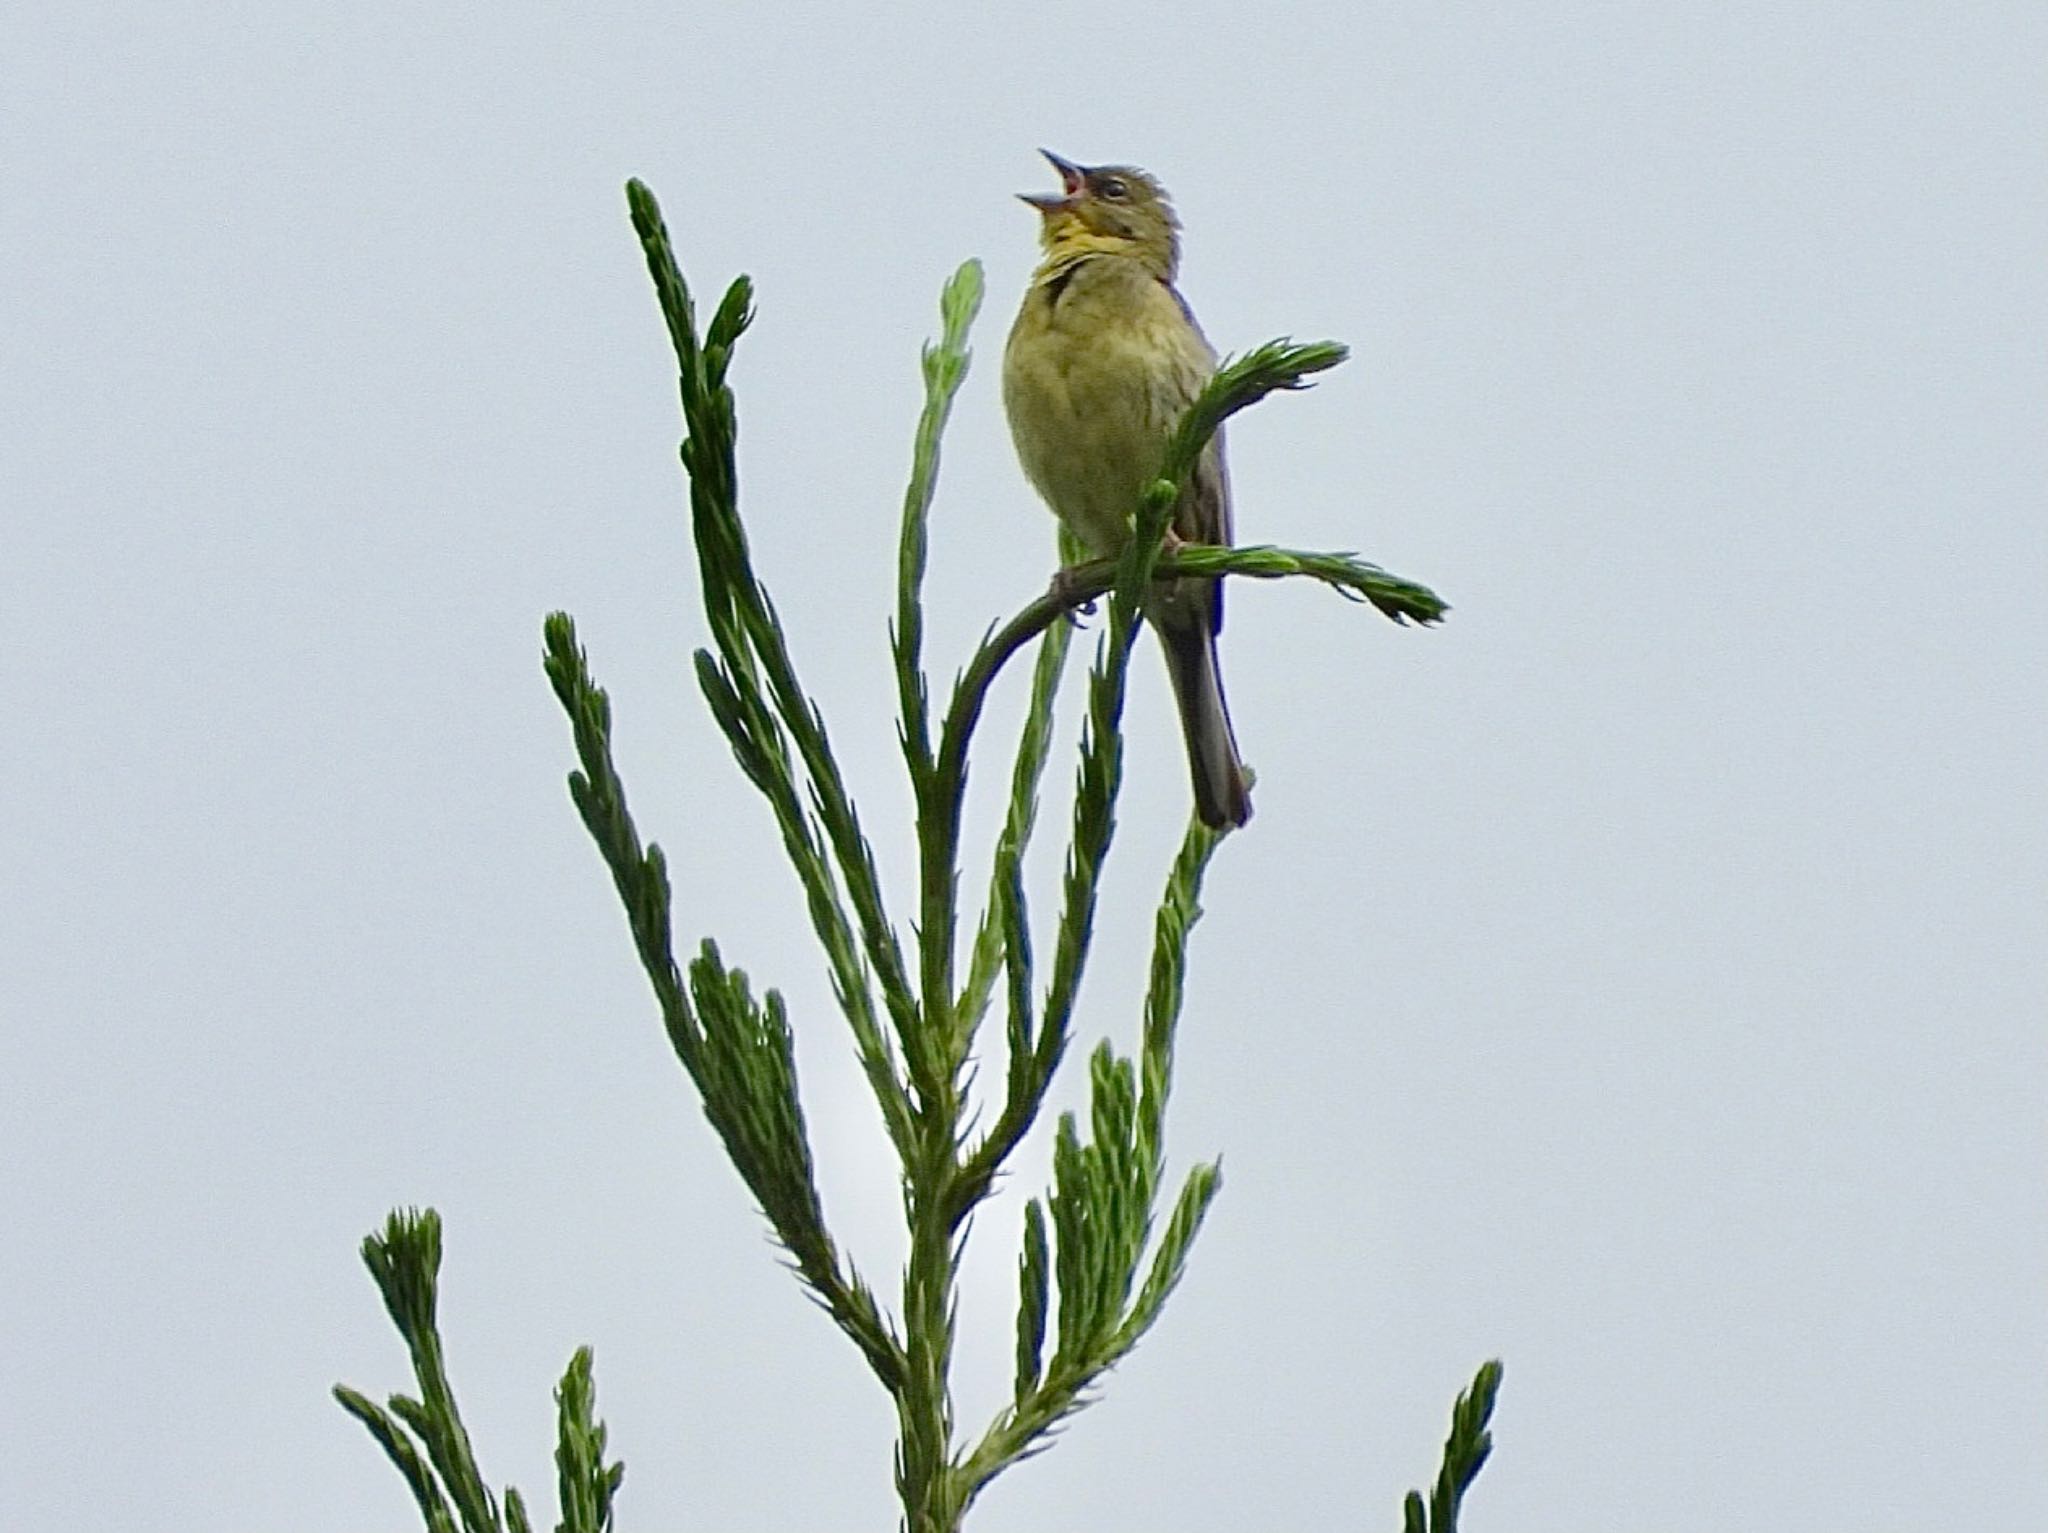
{"x":1641,"y":978}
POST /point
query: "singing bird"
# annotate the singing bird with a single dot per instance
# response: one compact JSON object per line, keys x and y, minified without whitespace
{"x":1103,"y":358}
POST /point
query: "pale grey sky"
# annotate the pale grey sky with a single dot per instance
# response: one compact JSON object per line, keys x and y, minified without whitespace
{"x":1640,"y":978}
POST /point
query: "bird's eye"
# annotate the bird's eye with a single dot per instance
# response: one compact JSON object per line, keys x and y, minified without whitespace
{"x":1112,"y":188}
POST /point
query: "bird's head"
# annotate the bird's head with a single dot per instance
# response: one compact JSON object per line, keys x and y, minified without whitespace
{"x":1114,"y":207}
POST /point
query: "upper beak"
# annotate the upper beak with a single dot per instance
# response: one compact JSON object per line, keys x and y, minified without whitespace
{"x":1071,"y":175}
{"x":1072,"y":179}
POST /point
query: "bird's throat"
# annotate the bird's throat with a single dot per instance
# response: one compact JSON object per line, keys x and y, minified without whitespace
{"x":1068,"y":242}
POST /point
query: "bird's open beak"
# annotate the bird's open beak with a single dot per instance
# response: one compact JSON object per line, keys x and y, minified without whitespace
{"x":1072,"y":179}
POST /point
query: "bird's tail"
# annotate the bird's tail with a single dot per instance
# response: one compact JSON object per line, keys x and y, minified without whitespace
{"x":1223,"y":795}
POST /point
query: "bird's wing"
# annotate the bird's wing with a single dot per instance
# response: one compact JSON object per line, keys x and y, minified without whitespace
{"x":1203,"y":515}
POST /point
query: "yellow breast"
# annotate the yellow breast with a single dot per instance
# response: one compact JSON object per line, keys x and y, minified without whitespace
{"x":1100,"y":363}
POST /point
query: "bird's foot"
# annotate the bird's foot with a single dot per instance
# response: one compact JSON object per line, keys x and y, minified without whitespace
{"x":1066,"y":582}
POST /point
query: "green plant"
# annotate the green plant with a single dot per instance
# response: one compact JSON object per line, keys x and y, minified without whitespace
{"x":1104,"y":1247}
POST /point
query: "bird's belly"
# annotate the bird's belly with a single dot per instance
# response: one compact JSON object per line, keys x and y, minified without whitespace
{"x":1086,"y":415}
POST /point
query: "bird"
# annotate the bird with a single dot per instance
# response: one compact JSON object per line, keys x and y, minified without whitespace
{"x":1104,"y":357}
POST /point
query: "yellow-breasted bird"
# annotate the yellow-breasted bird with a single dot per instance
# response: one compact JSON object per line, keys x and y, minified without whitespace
{"x":1101,"y":362}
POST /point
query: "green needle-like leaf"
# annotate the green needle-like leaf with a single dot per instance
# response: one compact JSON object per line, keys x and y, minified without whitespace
{"x":1033,"y":1298}
{"x":1465,"y":1453}
{"x":945,"y":369}
{"x":411,"y":1464}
